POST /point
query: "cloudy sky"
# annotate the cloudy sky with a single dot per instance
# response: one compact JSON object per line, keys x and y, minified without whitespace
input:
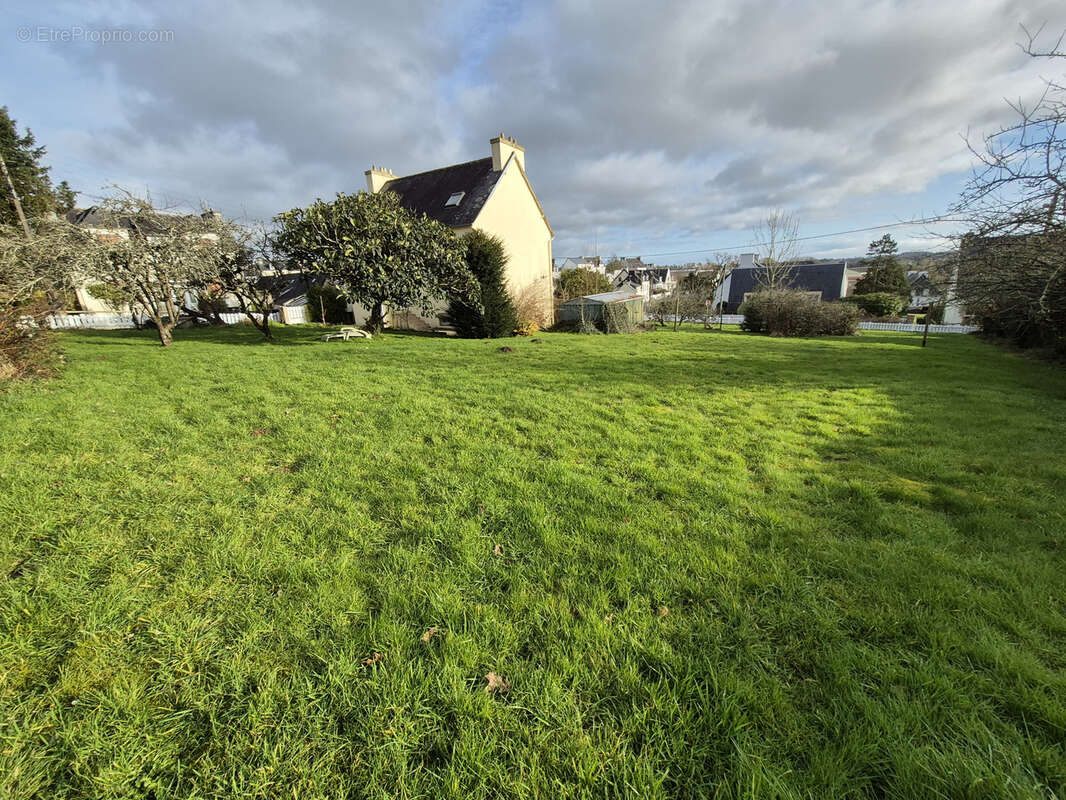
{"x":654,"y":128}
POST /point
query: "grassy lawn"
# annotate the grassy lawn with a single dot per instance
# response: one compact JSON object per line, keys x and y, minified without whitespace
{"x":708,"y":564}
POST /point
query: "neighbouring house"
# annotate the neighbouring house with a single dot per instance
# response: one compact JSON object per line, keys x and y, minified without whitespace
{"x":923,"y":293}
{"x":595,"y":308}
{"x":645,"y":280}
{"x":829,"y":281}
{"x":617,"y":266}
{"x":105,"y":227}
{"x":490,"y":194}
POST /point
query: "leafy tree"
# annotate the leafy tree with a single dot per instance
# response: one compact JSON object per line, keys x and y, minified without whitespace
{"x":64,"y":198}
{"x":580,"y":282}
{"x":378,"y":252}
{"x":885,"y":274}
{"x":495,"y":316}
{"x":878,"y":304}
{"x":326,"y":304}
{"x":29,"y":176}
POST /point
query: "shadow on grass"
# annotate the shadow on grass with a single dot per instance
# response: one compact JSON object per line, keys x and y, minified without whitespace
{"x":283,"y":336}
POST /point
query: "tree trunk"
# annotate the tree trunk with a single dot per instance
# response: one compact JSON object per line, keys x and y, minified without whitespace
{"x":377,"y":319}
{"x":165,"y":337}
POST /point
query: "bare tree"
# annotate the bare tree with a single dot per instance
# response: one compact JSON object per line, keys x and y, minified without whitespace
{"x":777,"y":239}
{"x":36,"y":278}
{"x":47,"y":266}
{"x":155,"y":258}
{"x":1012,"y":262}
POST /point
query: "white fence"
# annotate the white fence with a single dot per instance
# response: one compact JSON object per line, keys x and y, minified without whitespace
{"x":736,"y":319}
{"x":93,"y":320}
{"x":903,"y":326}
{"x":113,"y":320}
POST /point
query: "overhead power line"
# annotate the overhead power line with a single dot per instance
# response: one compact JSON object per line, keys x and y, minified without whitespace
{"x":752,"y":245}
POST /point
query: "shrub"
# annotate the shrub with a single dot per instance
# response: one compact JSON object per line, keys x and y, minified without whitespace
{"x":496,"y":316}
{"x":616,"y":319}
{"x":27,"y":348}
{"x":531,"y":309}
{"x":879,"y":304}
{"x":838,"y":319}
{"x":787,"y":312}
{"x":327,"y":300}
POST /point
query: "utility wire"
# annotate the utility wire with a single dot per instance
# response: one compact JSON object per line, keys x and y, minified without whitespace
{"x":925,"y":221}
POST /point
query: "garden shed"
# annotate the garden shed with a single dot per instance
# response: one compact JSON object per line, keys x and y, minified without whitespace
{"x":610,"y":311}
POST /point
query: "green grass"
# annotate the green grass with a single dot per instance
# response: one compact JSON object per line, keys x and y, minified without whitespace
{"x":729,"y":566}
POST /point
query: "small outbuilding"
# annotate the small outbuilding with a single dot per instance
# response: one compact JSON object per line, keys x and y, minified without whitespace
{"x":610,"y":311}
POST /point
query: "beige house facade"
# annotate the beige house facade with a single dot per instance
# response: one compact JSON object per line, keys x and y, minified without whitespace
{"x":492,"y":195}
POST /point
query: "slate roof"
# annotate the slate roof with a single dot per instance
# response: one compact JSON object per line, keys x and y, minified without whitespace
{"x":427,"y":192}
{"x":98,"y":217}
{"x":824,"y":278}
{"x":636,"y":277}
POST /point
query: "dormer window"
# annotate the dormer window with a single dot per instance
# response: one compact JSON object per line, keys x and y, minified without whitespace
{"x":455,"y":199}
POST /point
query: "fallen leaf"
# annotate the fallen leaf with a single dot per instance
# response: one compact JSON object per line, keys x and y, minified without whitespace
{"x":429,"y":634}
{"x":246,"y":478}
{"x":373,"y":660}
{"x":495,"y":684}
{"x":609,"y":619}
{"x":497,"y":550}
{"x":663,"y":611}
{"x":259,"y":431}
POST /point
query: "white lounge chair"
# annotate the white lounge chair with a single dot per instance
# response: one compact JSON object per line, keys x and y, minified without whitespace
{"x":347,"y":333}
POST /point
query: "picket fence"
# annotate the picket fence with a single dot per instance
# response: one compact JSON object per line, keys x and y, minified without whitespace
{"x":908,"y":328}
{"x":298,"y":314}
{"x":736,"y":319}
{"x":113,"y":320}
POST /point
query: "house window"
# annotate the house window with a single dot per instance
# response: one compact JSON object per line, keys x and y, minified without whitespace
{"x":455,"y":199}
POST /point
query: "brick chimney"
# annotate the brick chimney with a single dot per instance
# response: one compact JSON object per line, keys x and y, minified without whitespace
{"x":502,"y":147}
{"x":376,"y":177}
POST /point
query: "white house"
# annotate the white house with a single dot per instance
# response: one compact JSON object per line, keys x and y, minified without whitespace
{"x":490,"y":194}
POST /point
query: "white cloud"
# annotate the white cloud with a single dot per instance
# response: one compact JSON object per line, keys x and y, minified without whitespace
{"x":646,"y":124}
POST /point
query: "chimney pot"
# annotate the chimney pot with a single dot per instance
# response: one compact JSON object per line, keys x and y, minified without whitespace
{"x":503,"y":147}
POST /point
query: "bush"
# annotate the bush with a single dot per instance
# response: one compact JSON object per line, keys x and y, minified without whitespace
{"x":330,"y":300}
{"x":616,"y":319}
{"x":838,"y":319}
{"x":532,"y":310}
{"x":496,"y":316}
{"x":787,"y":312}
{"x":879,"y":304}
{"x":27,"y":348}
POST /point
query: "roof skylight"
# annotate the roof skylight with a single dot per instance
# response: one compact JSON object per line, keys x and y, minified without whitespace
{"x":455,"y":199}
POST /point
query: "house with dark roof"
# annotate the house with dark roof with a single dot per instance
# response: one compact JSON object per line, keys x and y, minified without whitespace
{"x":830,"y":281}
{"x":645,"y":280}
{"x":108,"y":226}
{"x":490,"y":194}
